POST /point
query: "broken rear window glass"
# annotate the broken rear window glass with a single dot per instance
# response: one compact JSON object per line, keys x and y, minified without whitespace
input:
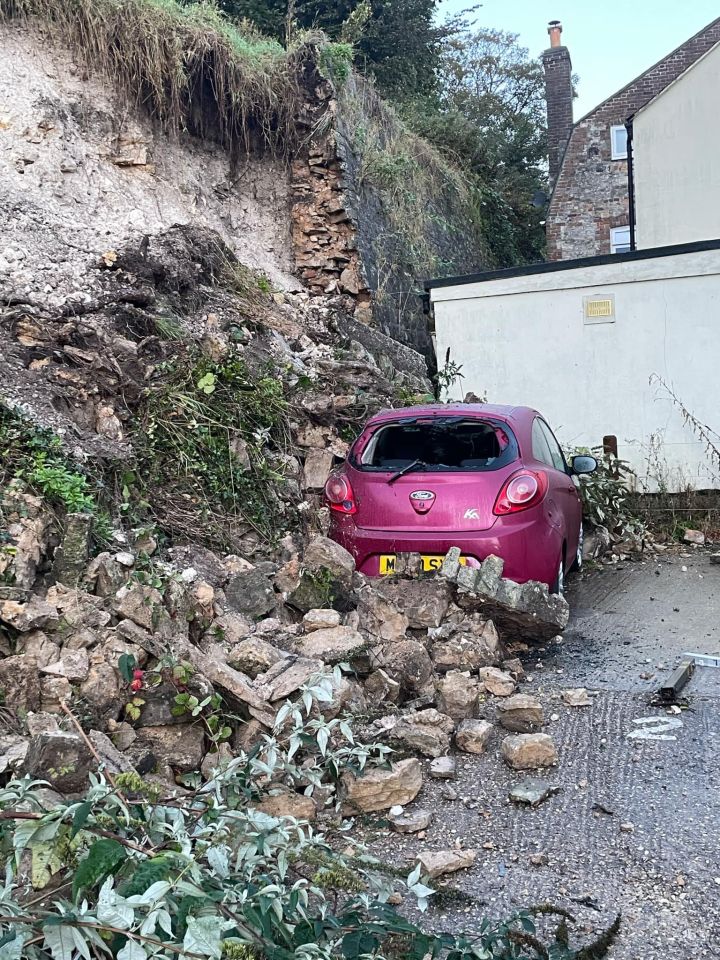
{"x":450,"y":443}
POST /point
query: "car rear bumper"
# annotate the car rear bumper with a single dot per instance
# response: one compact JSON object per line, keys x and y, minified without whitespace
{"x":531,"y":551}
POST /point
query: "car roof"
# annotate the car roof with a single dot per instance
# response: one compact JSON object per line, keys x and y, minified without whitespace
{"x":498,"y":411}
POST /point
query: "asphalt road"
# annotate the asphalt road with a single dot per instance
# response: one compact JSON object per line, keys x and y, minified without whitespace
{"x":634,"y":826}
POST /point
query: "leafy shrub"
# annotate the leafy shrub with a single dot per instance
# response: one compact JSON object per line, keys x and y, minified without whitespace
{"x":125,"y":873}
{"x":605,"y":495}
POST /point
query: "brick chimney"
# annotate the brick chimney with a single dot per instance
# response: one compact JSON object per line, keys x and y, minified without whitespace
{"x":559,"y":97}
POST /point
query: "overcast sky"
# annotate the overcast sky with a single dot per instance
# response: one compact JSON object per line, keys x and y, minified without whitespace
{"x":610,"y":41}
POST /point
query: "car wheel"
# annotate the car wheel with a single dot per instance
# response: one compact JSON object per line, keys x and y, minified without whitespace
{"x":578,"y":564}
{"x":559,"y":583}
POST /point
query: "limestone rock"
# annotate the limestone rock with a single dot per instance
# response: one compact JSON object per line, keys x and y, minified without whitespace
{"x":251,"y":593}
{"x":532,"y":791}
{"x":410,"y":821}
{"x":19,"y":683}
{"x":286,"y":677}
{"x":320,"y":619}
{"x":36,"y":614}
{"x":529,"y":751}
{"x":520,"y":713}
{"x":381,"y":688}
{"x":253,"y":656}
{"x":63,"y":759}
{"x":497,"y":682}
{"x":72,"y":554}
{"x":216,"y":762}
{"x":54,"y":691}
{"x":457,"y":694}
{"x":473,"y":736}
{"x":576,"y":697}
{"x":333,"y":645}
{"x":181,"y":747}
{"x":436,"y":863}
{"x":286,"y":803}
{"x":139,"y":603}
{"x":408,"y":663}
{"x":443,"y":768}
{"x":324,"y":554}
{"x":42,"y":723}
{"x":428,"y":732}
{"x":105,"y":575}
{"x":380,"y":789}
{"x":73,"y":664}
{"x":318,"y":464}
{"x":230,"y":627}
{"x":38,"y":645}
{"x":348,"y":697}
{"x":471,"y":648}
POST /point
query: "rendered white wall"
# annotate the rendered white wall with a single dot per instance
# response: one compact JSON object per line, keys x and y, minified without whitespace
{"x":523,"y":340}
{"x":676,"y":145}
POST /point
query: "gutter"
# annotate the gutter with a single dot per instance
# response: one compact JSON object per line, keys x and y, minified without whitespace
{"x":631,"y":182}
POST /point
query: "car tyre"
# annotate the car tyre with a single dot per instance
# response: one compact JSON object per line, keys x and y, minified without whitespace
{"x":578,"y":563}
{"x":558,"y":586}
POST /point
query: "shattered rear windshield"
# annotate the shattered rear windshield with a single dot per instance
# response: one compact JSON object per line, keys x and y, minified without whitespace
{"x":448,"y":443}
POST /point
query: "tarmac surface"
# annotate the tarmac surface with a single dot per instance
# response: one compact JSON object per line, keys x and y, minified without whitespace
{"x":634,"y":827}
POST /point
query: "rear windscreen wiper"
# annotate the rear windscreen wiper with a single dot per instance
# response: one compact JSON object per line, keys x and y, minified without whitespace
{"x":407,"y":469}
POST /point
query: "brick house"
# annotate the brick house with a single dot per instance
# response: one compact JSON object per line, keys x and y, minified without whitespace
{"x":589,"y":212}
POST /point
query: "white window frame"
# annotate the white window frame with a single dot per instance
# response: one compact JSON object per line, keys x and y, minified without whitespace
{"x":615,"y":153}
{"x":616,"y":242}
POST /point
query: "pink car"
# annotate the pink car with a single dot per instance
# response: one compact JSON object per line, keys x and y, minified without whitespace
{"x":487,"y":479}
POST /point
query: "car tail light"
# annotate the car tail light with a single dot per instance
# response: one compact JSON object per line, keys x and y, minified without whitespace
{"x":339,"y":494}
{"x":523,"y":490}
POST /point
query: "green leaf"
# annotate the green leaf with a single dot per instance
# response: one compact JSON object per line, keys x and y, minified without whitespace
{"x":148,"y":873}
{"x":203,"y":935}
{"x":358,"y":942}
{"x":11,"y":945}
{"x":126,"y":665}
{"x":80,"y":819}
{"x":59,"y":940}
{"x":132,"y":951}
{"x":103,"y":858}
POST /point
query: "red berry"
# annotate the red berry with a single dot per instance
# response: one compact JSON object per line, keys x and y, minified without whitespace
{"x":138,"y":674}
{"x":136,"y":685}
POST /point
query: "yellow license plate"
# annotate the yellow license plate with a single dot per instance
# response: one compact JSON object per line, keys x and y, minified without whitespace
{"x":388,"y":563}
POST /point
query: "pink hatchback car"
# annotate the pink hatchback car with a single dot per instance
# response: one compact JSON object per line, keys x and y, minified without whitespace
{"x":487,"y":479}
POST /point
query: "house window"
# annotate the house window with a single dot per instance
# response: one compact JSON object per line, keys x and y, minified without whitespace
{"x":620,"y":240}
{"x":618,"y":143}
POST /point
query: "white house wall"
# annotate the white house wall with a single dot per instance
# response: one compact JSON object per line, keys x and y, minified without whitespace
{"x":676,"y":145}
{"x":524,"y":340}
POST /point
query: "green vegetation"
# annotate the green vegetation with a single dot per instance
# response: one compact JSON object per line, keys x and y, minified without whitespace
{"x":36,"y":457}
{"x":188,"y":64}
{"x":126,"y":873}
{"x":200,"y":469}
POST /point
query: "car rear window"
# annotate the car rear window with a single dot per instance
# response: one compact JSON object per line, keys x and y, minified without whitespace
{"x":450,"y":443}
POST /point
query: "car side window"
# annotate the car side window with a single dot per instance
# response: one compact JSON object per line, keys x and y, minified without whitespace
{"x":558,"y":460}
{"x":541,"y":450}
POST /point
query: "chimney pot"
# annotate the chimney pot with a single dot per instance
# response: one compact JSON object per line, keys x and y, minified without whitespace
{"x":555,"y":30}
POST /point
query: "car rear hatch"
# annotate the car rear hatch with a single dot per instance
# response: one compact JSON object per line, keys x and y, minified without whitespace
{"x":437,"y":475}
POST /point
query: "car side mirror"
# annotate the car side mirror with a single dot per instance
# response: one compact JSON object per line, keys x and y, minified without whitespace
{"x":584,"y":464}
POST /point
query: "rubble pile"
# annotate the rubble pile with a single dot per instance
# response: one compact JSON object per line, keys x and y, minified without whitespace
{"x":172,"y":676}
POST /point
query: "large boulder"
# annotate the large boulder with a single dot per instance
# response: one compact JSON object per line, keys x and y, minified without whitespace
{"x":380,"y":789}
{"x":325,"y":577}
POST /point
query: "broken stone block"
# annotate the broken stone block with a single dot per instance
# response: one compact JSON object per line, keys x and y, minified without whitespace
{"x":520,"y":713}
{"x":497,"y":682}
{"x":694,"y":536}
{"x":286,"y":677}
{"x":73,"y":664}
{"x":334,"y":645}
{"x":105,"y":576}
{"x":36,"y":614}
{"x":230,"y":628}
{"x":532,"y":791}
{"x":71,"y":556}
{"x":54,"y":691}
{"x":443,"y":768}
{"x":348,"y":697}
{"x":111,"y":757}
{"x":181,"y":747}
{"x":576,"y":697}
{"x":63,"y":759}
{"x":286,"y":803}
{"x":457,"y":694}
{"x":473,"y":736}
{"x":141,"y":604}
{"x":428,"y":732}
{"x":78,"y":609}
{"x":251,"y":593}
{"x":38,"y":645}
{"x":216,"y":762}
{"x":410,"y":821}
{"x":529,"y":751}
{"x":254,"y":656}
{"x":381,"y":688}
{"x":408,"y":663}
{"x":324,"y":554}
{"x":468,"y":650}
{"x":19,"y":683}
{"x":247,"y":735}
{"x":102,"y":690}
{"x":320,"y":619}
{"x":436,"y":863}
{"x":380,"y":789}
{"x":318,"y":464}
{"x":42,"y":723}
{"x":13,"y":750}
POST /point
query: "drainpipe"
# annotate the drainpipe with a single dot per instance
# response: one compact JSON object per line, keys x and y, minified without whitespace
{"x":631,"y":182}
